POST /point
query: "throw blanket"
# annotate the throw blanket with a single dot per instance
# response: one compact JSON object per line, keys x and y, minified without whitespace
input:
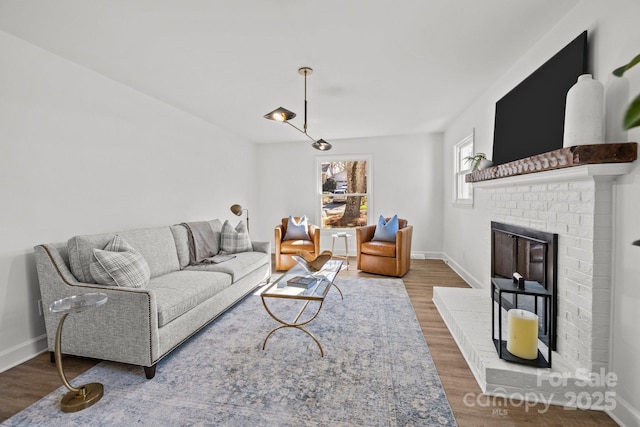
{"x":202,"y":244}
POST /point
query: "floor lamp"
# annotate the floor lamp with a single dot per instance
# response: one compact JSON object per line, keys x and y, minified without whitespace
{"x":237,"y":210}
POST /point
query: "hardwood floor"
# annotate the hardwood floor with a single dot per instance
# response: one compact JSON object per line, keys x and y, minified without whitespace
{"x":25,"y":384}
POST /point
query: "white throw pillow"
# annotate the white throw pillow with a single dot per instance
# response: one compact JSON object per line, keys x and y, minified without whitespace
{"x":234,"y":240}
{"x":119,"y":264}
{"x":297,"y":230}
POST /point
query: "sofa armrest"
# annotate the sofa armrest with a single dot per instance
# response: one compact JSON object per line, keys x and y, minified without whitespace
{"x":105,"y":332}
{"x":264,"y":247}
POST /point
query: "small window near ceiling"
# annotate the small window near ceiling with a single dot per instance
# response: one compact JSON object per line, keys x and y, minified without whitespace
{"x":463,"y":191}
{"x":344,"y":191}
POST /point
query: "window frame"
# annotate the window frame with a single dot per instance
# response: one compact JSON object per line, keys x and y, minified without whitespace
{"x":460,"y":150}
{"x":319,"y":195}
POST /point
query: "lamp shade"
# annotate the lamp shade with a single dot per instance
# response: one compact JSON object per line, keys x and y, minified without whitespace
{"x":280,"y":115}
{"x":321,"y":145}
{"x":236,"y":209}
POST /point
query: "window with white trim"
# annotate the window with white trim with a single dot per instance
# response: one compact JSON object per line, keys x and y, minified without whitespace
{"x":344,"y":191}
{"x":463,"y":191}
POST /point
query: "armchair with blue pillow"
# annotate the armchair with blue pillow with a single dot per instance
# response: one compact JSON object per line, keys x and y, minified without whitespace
{"x":385,"y":248}
{"x":293,"y":236}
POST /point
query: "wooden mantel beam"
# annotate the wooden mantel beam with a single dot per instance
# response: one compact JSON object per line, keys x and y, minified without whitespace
{"x":577,"y":155}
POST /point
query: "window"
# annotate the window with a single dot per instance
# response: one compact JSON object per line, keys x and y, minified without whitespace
{"x":463,"y":191}
{"x":344,"y":191}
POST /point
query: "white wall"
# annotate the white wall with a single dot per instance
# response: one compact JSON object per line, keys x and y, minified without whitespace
{"x":406,"y":173}
{"x":614,"y":38}
{"x":82,"y":154}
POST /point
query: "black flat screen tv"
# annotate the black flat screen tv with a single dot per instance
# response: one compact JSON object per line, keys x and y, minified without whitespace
{"x":529,"y":120}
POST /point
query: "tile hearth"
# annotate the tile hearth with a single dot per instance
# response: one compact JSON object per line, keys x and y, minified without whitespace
{"x":467,"y":314}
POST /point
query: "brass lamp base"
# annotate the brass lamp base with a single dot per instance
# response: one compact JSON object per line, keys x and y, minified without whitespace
{"x":86,"y":396}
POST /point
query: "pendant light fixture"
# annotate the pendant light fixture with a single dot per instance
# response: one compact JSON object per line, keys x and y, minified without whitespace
{"x":283,"y":115}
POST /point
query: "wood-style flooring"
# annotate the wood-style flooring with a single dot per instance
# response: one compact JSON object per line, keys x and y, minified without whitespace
{"x":26,"y":383}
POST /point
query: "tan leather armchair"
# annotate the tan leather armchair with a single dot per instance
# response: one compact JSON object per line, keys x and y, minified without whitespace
{"x":387,"y":258}
{"x":286,"y":248}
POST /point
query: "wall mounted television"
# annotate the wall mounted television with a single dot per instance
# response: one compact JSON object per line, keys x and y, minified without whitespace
{"x":529,"y":120}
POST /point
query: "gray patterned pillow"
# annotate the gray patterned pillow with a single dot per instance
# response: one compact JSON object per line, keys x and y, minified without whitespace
{"x":119,"y":264}
{"x":234,"y":240}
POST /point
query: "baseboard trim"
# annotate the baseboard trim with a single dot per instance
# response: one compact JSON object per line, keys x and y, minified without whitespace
{"x":624,"y":414}
{"x":472,"y":281}
{"x":22,"y":352}
{"x":425,"y":255}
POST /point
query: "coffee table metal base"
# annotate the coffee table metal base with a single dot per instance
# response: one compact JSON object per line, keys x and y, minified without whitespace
{"x":295,"y":323}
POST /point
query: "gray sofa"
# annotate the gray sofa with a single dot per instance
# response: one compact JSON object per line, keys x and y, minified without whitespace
{"x":142,"y":325}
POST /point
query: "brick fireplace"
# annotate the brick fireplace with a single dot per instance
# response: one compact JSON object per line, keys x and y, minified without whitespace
{"x":576,"y":203}
{"x":579,"y":210}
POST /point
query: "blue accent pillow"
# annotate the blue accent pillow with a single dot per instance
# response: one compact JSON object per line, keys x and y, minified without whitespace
{"x":386,"y":231}
{"x":297,"y":230}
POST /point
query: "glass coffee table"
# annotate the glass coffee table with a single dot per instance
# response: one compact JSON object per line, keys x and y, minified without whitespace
{"x":300,"y":284}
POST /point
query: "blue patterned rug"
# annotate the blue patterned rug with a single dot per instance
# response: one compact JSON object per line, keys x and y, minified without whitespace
{"x":377,"y":371}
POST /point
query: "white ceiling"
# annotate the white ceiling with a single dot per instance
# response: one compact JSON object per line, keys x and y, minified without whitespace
{"x":380,"y":67}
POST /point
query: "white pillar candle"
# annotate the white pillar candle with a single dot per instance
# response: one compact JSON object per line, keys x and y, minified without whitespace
{"x":522,"y":338}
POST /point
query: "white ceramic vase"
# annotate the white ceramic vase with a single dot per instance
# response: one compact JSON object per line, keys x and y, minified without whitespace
{"x":584,"y":113}
{"x":484,"y":164}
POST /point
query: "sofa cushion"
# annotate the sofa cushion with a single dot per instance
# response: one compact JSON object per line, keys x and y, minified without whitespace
{"x":238,"y":267}
{"x":297,"y":230}
{"x":378,"y":248}
{"x":180,"y":291}
{"x":386,"y":231}
{"x":234,"y":240}
{"x":156,"y":245}
{"x":181,"y":237}
{"x":295,"y":246}
{"x":119,"y":264}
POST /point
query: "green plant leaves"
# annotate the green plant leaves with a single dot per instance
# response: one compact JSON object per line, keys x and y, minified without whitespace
{"x":632,"y":116}
{"x":618,"y":72}
{"x":474,"y":161}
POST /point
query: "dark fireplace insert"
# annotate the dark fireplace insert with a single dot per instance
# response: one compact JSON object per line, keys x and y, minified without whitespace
{"x":533,"y":255}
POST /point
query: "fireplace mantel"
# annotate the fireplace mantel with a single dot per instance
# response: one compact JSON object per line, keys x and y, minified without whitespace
{"x":570,"y":162}
{"x":601,"y":171}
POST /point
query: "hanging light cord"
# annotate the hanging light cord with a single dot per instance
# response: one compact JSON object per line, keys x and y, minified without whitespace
{"x":305,"y":111}
{"x":305,"y":101}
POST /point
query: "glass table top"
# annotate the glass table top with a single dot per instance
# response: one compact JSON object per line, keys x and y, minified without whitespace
{"x":317,"y":288}
{"x":78,"y":303}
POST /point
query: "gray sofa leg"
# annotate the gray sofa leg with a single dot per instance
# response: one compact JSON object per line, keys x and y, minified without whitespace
{"x":150,"y":371}
{"x":52,"y":356}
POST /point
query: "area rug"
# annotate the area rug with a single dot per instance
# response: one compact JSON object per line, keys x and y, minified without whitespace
{"x":376,"y":371}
